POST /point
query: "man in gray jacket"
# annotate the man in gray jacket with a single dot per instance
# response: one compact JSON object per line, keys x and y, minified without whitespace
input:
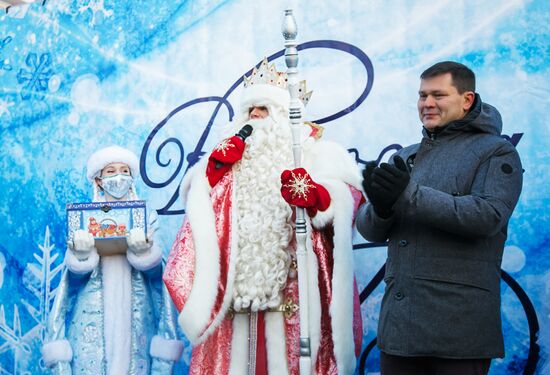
{"x":444,"y":205}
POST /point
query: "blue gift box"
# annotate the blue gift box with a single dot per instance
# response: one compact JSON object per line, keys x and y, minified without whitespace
{"x":108,"y":222}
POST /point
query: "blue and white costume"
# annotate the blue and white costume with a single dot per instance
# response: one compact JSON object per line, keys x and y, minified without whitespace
{"x":113,"y":314}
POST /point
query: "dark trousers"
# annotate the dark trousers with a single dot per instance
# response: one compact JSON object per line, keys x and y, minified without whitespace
{"x":397,"y":365}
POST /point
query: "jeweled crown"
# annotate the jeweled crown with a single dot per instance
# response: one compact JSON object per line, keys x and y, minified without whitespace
{"x":267,"y":74}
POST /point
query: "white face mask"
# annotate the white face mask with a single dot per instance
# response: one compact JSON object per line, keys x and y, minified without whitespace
{"x":118,"y":185}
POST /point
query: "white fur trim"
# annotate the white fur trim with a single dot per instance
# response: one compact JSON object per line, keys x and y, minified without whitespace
{"x":341,"y":307}
{"x":239,"y":345}
{"x":56,"y":351}
{"x":324,"y":218}
{"x":195,"y":314}
{"x":81,"y":267}
{"x":334,"y":168}
{"x":275,"y":343}
{"x":146,"y":261}
{"x":262,"y":95}
{"x":329,"y":160}
{"x":189,"y":177}
{"x":117,"y":318}
{"x":329,"y":163}
{"x":167,"y":349}
{"x":228,"y":296}
{"x":112,"y":154}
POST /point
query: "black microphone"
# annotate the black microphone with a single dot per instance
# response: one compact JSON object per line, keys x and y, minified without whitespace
{"x":242,"y":134}
{"x":245,"y":132}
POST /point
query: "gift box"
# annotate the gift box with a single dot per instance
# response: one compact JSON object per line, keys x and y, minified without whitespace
{"x":108,"y":222}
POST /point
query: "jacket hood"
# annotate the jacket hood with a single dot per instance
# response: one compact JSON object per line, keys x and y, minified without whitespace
{"x":482,"y":118}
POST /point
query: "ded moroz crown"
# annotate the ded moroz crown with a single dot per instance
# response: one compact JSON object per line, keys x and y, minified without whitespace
{"x":268,"y":75}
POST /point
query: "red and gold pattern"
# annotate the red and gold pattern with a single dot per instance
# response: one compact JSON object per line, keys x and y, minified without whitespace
{"x":213,"y":356}
{"x":180,"y":266}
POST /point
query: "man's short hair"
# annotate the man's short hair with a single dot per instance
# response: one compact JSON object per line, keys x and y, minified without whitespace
{"x":464,"y":78}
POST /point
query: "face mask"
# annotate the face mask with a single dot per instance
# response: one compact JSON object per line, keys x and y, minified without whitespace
{"x":118,"y":185}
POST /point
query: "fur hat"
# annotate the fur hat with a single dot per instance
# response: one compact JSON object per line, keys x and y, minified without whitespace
{"x":112,"y":154}
{"x":263,"y":96}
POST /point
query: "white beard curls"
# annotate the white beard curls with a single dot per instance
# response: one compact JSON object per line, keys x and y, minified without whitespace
{"x":264,"y":218}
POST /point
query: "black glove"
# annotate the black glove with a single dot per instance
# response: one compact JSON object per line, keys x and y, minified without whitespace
{"x":369,"y":167}
{"x":376,"y":196}
{"x":388,"y":182}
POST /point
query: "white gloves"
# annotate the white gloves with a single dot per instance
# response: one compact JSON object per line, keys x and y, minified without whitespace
{"x":138,"y":243}
{"x":82,"y":258}
{"x":82,"y":244}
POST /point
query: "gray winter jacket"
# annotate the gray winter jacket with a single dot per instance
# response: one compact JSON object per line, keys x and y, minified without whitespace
{"x":446,"y":238}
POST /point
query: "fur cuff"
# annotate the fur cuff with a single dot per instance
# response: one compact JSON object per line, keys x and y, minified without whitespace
{"x":325,"y":160}
{"x":338,"y":191}
{"x":56,"y":351}
{"x":166,"y":349}
{"x":81,"y":267}
{"x":323,"y":218}
{"x":148,"y":260}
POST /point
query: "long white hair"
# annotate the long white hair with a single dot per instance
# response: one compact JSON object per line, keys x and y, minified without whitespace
{"x":264,"y":218}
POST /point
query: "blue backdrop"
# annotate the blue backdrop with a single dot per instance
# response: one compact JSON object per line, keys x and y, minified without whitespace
{"x":162,"y":77}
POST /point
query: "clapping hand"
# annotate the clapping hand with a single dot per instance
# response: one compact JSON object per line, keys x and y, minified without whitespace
{"x":384,"y":184}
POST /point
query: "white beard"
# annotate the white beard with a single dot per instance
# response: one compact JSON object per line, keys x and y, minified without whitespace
{"x":264,"y":221}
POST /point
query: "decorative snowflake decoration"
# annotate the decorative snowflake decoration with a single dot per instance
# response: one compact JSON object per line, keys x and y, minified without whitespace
{"x":95,"y":6}
{"x":4,"y":64}
{"x":36,"y":79}
{"x":13,"y":337}
{"x":224,"y":146}
{"x":17,"y":343}
{"x":300,"y":185}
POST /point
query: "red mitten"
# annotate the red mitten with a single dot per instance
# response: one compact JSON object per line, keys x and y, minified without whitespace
{"x":298,"y":189}
{"x":222,"y":158}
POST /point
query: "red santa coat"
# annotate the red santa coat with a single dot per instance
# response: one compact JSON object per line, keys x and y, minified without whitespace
{"x":200,"y":271}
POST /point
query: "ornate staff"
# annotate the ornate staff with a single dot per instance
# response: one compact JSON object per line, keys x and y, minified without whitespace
{"x":290,"y":30}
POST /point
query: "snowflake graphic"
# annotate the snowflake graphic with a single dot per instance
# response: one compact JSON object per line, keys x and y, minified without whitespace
{"x":43,"y":272}
{"x":300,"y":185}
{"x":13,"y":338}
{"x":95,"y":6}
{"x":4,"y":63}
{"x":36,"y":79}
{"x":224,"y":146}
{"x":24,"y":346}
